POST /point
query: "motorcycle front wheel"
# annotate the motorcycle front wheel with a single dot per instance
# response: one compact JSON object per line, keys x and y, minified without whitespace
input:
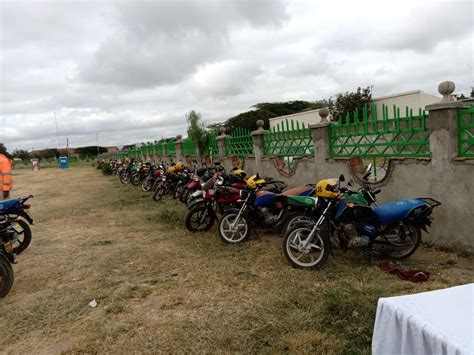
{"x":159,"y":194}
{"x":238,"y":233}
{"x":312,"y":256}
{"x":125,"y":178}
{"x":135,"y":179}
{"x":6,"y":276}
{"x":407,"y":236}
{"x":146,"y":185}
{"x":200,"y":219}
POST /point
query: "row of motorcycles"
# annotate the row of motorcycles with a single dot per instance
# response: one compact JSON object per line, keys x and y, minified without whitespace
{"x":15,"y":237}
{"x":312,"y":219}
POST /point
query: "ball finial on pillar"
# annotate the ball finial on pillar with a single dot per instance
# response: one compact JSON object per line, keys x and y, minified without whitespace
{"x":324,"y":113}
{"x":446,"y":88}
{"x":260,"y":124}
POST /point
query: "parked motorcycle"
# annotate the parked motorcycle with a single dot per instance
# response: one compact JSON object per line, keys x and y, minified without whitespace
{"x":355,"y":222}
{"x":263,"y":209}
{"x":7,"y":257}
{"x":218,"y":195}
{"x":15,"y":216}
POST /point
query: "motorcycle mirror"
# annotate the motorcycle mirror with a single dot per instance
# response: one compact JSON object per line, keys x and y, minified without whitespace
{"x":369,"y":168}
{"x":342,"y":178}
{"x":351,"y":182}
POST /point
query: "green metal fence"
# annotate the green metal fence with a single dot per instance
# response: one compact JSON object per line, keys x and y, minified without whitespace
{"x":466,"y":132}
{"x":188,"y":147}
{"x":170,"y":147}
{"x":159,"y":148}
{"x":239,"y":143}
{"x":288,"y":140}
{"x":386,"y":137}
{"x":211,"y":148}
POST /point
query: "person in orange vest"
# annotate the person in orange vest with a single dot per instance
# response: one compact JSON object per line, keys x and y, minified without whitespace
{"x":6,"y":182}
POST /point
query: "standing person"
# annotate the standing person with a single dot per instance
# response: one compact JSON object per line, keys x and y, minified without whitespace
{"x":6,"y":182}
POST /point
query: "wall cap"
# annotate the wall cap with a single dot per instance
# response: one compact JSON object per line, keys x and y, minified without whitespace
{"x":447,"y":105}
{"x":319,"y":125}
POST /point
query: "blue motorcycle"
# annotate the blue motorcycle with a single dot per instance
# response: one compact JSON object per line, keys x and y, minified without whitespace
{"x":345,"y":218}
{"x":16,"y":218}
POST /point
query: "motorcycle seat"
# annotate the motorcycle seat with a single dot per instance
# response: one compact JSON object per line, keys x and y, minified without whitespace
{"x":7,"y":204}
{"x":396,"y":211}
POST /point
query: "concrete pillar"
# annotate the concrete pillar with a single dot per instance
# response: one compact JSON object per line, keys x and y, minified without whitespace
{"x":320,"y":133}
{"x":257,"y":137}
{"x":442,"y":123}
{"x":221,"y":143}
{"x":178,"y":146}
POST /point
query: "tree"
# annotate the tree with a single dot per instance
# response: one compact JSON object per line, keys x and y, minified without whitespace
{"x":89,"y":151}
{"x":3,"y":149}
{"x":348,"y":102}
{"x":21,"y":154}
{"x":196,"y":129}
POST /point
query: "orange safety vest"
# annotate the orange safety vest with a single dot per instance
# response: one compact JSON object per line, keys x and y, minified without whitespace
{"x":6,"y":183}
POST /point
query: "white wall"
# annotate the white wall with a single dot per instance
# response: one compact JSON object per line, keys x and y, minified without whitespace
{"x":306,"y":117}
{"x":413,"y":99}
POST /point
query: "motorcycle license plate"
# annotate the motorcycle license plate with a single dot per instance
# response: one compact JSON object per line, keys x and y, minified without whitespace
{"x":28,"y":214}
{"x":17,"y":228}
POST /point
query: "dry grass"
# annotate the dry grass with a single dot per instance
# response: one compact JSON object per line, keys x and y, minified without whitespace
{"x":161,"y":289}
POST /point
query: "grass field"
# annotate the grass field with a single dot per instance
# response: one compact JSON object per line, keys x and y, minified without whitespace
{"x":162,"y":289}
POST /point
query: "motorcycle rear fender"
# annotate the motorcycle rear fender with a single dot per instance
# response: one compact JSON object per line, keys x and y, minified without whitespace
{"x":24,"y":215}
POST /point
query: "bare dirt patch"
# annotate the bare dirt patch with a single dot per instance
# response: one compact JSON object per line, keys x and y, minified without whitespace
{"x":162,"y":289}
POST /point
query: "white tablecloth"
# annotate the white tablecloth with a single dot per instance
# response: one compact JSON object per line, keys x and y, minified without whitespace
{"x":437,"y":322}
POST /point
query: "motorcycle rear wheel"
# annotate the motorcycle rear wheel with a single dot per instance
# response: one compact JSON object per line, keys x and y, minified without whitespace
{"x":6,"y":276}
{"x":24,"y":239}
{"x":412,"y":236}
{"x":241,"y":232}
{"x":200,"y":219}
{"x":298,"y":258}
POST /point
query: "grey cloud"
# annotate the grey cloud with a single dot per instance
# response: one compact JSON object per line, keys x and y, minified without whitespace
{"x":163,"y":42}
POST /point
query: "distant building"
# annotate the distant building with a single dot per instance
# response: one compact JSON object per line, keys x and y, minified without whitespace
{"x":412,"y":99}
{"x":112,"y":149}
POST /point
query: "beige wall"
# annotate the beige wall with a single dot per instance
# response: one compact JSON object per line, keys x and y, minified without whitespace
{"x":307,"y":117}
{"x":412,"y":99}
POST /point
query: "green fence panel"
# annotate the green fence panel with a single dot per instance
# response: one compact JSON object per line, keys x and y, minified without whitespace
{"x":397,"y":136}
{"x":170,"y":147}
{"x":159,"y":148}
{"x":211,"y":148}
{"x":188,"y":147}
{"x":288,"y":139}
{"x":466,"y":132}
{"x":239,"y":143}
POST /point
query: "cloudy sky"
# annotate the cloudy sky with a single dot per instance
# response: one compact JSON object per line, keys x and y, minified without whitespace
{"x":131,"y":70}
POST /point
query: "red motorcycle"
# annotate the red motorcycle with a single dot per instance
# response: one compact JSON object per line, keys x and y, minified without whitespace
{"x":217,"y":196}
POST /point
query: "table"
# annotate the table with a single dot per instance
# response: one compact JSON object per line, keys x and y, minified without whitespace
{"x":435,"y":322}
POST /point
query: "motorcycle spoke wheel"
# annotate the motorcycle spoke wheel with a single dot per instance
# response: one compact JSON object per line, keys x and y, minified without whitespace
{"x":199,"y":220}
{"x":237,"y":234}
{"x":311,"y":256}
{"x":408,"y":236}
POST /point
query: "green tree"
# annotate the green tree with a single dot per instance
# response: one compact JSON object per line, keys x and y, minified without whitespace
{"x":196,"y":129}
{"x":21,"y":154}
{"x":3,"y":149}
{"x":348,"y":102}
